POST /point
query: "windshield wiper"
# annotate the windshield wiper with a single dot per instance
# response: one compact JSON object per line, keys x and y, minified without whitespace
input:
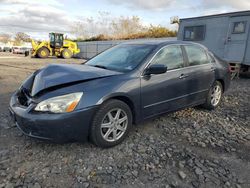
{"x":100,"y":66}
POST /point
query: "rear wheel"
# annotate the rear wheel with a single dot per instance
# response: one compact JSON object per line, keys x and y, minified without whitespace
{"x":111,"y":124}
{"x":214,"y":96}
{"x":43,"y":52}
{"x":66,"y":54}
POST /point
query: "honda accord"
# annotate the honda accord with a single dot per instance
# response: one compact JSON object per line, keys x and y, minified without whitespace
{"x":101,"y":99}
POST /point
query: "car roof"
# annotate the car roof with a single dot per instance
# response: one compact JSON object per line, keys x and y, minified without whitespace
{"x":161,"y":42}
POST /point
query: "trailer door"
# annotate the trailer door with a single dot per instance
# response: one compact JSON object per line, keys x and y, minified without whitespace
{"x":235,"y":43}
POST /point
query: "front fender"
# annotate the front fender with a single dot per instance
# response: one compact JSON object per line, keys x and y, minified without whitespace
{"x":114,"y":95}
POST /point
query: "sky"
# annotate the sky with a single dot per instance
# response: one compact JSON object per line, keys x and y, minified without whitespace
{"x":39,"y":17}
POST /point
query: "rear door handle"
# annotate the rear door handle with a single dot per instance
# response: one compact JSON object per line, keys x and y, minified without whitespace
{"x":183,"y":76}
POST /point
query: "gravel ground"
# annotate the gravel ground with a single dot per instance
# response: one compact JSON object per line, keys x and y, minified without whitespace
{"x":189,"y":148}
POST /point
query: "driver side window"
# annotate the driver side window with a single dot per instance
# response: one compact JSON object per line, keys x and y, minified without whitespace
{"x":170,"y":56}
{"x":52,"y":37}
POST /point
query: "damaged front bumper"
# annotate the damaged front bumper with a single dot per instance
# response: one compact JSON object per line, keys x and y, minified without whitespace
{"x":49,"y":126}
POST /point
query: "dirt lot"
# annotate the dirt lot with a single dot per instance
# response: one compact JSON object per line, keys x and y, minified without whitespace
{"x":190,"y":148}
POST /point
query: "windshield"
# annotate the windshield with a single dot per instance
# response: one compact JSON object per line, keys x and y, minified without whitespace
{"x":122,"y":58}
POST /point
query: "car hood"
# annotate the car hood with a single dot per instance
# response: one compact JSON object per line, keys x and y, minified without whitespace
{"x":60,"y":74}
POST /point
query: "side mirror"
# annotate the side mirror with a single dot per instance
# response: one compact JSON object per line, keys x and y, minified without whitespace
{"x":156,"y":69}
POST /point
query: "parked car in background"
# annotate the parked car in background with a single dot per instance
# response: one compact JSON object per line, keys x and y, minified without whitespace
{"x":20,"y":50}
{"x":124,"y":85}
{"x":25,"y":49}
{"x":7,"y":49}
{"x":16,"y":49}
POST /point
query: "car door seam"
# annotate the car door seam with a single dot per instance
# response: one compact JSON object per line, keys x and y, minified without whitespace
{"x":161,"y":102}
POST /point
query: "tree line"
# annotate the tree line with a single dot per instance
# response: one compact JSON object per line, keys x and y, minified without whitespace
{"x":17,"y":39}
{"x":103,"y":27}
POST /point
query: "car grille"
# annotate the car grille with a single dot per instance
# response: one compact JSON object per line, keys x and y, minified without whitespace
{"x":23,"y":97}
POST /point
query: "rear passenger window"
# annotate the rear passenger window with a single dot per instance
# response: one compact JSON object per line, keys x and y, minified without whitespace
{"x":196,"y":55}
{"x":170,"y":56}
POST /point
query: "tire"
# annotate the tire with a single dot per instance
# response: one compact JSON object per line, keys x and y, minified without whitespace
{"x":104,"y":128}
{"x":213,"y":100}
{"x":66,"y":54}
{"x":43,"y":52}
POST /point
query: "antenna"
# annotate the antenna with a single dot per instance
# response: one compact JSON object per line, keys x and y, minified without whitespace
{"x":174,"y":20}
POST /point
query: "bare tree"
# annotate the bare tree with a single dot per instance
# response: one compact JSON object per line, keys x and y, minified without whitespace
{"x":21,"y":37}
{"x":91,"y":26}
{"x":104,"y":23}
{"x":5,"y":38}
{"x":106,"y":27}
{"x":79,"y":30}
{"x":125,"y":26}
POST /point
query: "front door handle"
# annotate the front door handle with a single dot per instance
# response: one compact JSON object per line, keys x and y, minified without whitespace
{"x":183,"y":76}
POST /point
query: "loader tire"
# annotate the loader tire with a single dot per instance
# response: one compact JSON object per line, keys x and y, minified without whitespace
{"x":43,"y":52}
{"x":66,"y":54}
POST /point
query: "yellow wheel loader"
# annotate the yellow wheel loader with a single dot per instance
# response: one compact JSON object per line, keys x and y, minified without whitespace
{"x":57,"y":46}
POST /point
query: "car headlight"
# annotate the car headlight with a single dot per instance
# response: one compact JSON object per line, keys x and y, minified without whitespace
{"x":60,"y":104}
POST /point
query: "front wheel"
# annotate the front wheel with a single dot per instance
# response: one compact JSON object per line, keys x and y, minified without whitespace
{"x":111,"y":124}
{"x":66,"y":54}
{"x":214,"y":96}
{"x":43,"y":52}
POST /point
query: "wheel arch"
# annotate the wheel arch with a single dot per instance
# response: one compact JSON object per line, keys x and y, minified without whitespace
{"x":127,"y":101}
{"x":44,"y":47}
{"x":63,"y":48}
{"x":222,"y":83}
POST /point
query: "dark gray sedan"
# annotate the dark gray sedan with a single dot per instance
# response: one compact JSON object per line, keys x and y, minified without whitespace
{"x":124,"y":85}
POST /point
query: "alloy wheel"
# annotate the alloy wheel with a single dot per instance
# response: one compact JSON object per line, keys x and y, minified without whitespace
{"x":114,"y":125}
{"x":216,"y":95}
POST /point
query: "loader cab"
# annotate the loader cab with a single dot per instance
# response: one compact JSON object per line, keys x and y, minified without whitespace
{"x":56,"y":40}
